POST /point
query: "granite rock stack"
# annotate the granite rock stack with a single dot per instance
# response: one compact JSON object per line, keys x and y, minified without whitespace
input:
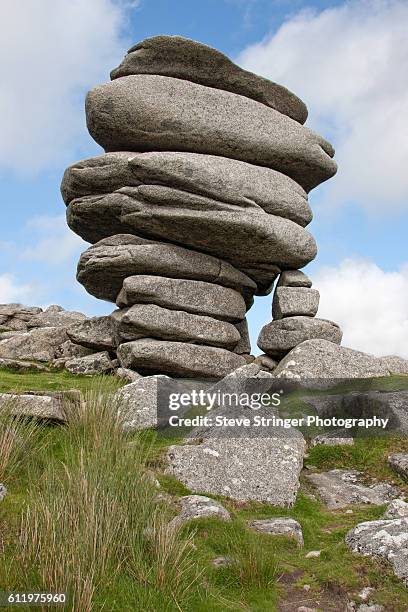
{"x":198,"y":204}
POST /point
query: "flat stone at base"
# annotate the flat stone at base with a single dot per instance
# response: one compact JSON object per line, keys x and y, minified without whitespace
{"x":178,"y":358}
{"x":314,"y":359}
{"x":279,"y":526}
{"x":50,"y":405}
{"x":259,"y":469}
{"x":281,"y":336}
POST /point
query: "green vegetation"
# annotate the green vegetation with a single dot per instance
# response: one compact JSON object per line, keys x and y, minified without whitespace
{"x":83,"y":514}
{"x":49,"y":381}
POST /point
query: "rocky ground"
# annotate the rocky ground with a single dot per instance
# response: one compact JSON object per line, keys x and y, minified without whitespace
{"x":328,"y":534}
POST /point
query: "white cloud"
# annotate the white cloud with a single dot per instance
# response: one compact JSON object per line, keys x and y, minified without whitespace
{"x":349,"y":63}
{"x":54,"y":243}
{"x":370,"y":305}
{"x":51,"y":52}
{"x":10,"y":291}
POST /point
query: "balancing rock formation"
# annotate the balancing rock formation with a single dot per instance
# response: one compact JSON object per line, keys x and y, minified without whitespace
{"x":198,"y":204}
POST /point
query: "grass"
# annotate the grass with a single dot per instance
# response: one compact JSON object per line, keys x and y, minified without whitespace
{"x":49,"y":381}
{"x":83,"y":514}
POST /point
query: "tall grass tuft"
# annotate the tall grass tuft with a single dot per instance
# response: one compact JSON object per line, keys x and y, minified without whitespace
{"x":19,"y":440}
{"x":95,"y":521}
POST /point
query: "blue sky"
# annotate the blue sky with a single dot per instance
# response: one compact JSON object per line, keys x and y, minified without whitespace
{"x":348,"y":61}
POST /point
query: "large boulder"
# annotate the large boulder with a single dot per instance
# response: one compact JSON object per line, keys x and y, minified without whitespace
{"x":91,"y":365}
{"x":295,"y":301}
{"x":137,"y":403}
{"x":263,"y":469}
{"x":95,"y":333}
{"x":152,"y":321}
{"x":195,"y":297}
{"x":104,"y":266}
{"x":178,"y":358}
{"x":223,"y":182}
{"x":190,"y":60}
{"x":255,"y":243}
{"x":281,"y":336}
{"x":385,"y":538}
{"x":156,"y":113}
{"x":42,"y":344}
{"x":315,"y":359}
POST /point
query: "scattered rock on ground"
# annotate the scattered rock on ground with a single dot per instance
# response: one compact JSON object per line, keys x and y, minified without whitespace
{"x":334,"y":438}
{"x":22,"y":366}
{"x":199,"y":506}
{"x":384,"y":538}
{"x":340,"y":488}
{"x":129,"y":375}
{"x":399,"y":463}
{"x":396,"y":509}
{"x":279,"y":526}
{"x":3,"y":491}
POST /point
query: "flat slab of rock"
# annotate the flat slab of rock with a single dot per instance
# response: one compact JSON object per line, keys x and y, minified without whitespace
{"x":396,"y":509}
{"x":385,"y":538}
{"x":399,"y":462}
{"x":91,"y":365}
{"x":295,"y":301}
{"x":55,"y":318}
{"x":152,"y":321}
{"x":50,"y":406}
{"x":281,"y":336}
{"x":195,"y":297}
{"x":14,"y":317}
{"x":186,"y":59}
{"x":294,"y":278}
{"x":22,"y":366}
{"x":200,"y":506}
{"x":42,"y":344}
{"x":334,"y":438}
{"x":157,"y":113}
{"x":178,"y":358}
{"x":279,"y":526}
{"x":104,"y":266}
{"x":259,"y":469}
{"x":94,"y":333}
{"x":137,"y":403}
{"x":314,"y":359}
{"x":230,"y":182}
{"x":253,"y":241}
{"x":340,"y":488}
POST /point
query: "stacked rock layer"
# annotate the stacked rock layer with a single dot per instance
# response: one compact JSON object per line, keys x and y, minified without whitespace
{"x":199,"y":202}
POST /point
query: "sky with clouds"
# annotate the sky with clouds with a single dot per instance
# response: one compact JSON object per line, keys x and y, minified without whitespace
{"x":347,"y":60}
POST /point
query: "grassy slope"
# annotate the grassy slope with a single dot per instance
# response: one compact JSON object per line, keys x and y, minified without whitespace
{"x":265,"y":570}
